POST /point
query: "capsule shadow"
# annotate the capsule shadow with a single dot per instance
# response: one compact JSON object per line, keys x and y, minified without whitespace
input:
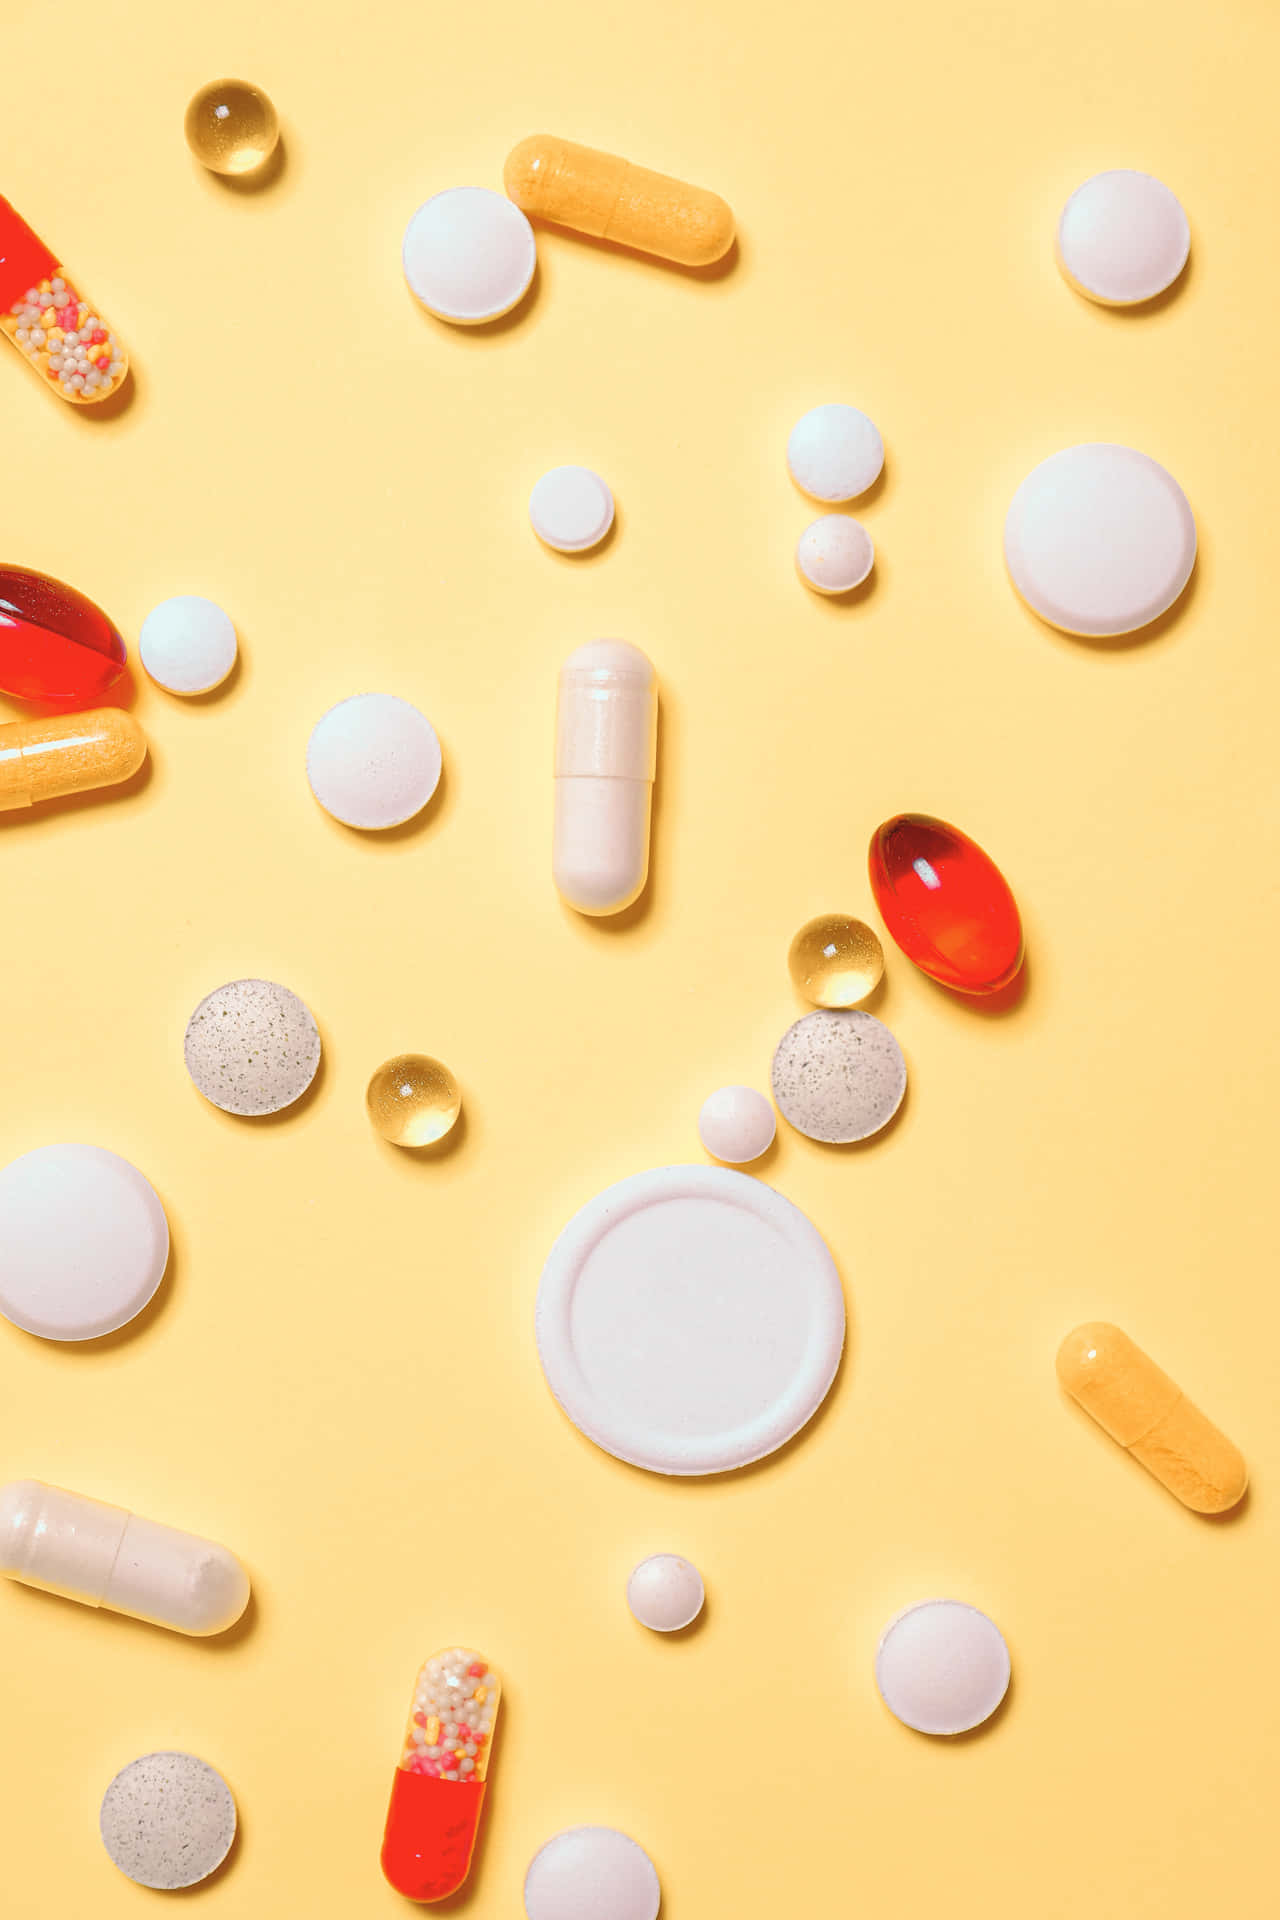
{"x":718,"y":269}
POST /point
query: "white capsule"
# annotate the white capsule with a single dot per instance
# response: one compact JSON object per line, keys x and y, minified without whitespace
{"x":606,"y":757}
{"x":105,"y":1557}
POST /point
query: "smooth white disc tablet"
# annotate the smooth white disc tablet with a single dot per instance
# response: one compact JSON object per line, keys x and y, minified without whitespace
{"x":689,"y":1320}
{"x":373,"y":761}
{"x":1123,"y":237}
{"x":591,"y":1873}
{"x":188,"y":644}
{"x":942,"y":1666}
{"x":665,"y":1592}
{"x":83,"y":1242}
{"x":835,"y":554}
{"x":1099,"y":540}
{"x":469,"y":255}
{"x":835,"y":452}
{"x":571,"y":509}
{"x":736,"y":1124}
{"x":168,"y":1820}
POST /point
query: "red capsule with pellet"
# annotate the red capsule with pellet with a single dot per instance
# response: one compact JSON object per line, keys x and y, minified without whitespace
{"x":607,"y":198}
{"x":1136,"y":1402}
{"x":439,"y":1785}
{"x":68,"y":753}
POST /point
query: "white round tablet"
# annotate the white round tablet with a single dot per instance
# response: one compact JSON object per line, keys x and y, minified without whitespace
{"x":835,"y":554}
{"x":591,"y":1873}
{"x":1122,"y":238}
{"x":252,"y":1047}
{"x":571,"y":509}
{"x":83,"y":1242}
{"x":736,"y":1124}
{"x":373,"y":761}
{"x":835,"y":452}
{"x":689,"y":1320}
{"x":168,"y":1820}
{"x":665,"y":1592}
{"x":469,"y":255}
{"x":838,"y":1075}
{"x":942,"y":1667}
{"x":1099,"y":540}
{"x":187,"y":644}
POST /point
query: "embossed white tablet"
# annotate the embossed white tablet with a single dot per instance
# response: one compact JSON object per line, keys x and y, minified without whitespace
{"x":1123,"y":238}
{"x":469,"y":255}
{"x":571,"y":509}
{"x":942,"y":1666}
{"x":591,"y":1873}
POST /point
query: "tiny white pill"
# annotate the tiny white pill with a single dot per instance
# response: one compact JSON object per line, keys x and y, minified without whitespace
{"x":835,"y":554}
{"x":373,"y":761}
{"x":591,"y":1873}
{"x":469,"y":255}
{"x":835,"y":452}
{"x":665,"y":1592}
{"x":168,"y":1820}
{"x":571,"y":509}
{"x":188,"y":644}
{"x":736,"y":1124}
{"x":942,"y":1667}
{"x":83,"y":1242}
{"x":1123,"y":237}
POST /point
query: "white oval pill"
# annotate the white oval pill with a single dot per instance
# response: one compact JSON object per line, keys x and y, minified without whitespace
{"x":665,"y":1592}
{"x":835,"y":554}
{"x":168,"y":1820}
{"x":469,"y":255}
{"x":1099,"y":540}
{"x":188,"y":644}
{"x":736,"y":1124}
{"x":83,"y":1242}
{"x":835,"y":452}
{"x":591,"y":1873}
{"x":1123,"y":237}
{"x":373,"y":761}
{"x":571,"y":509}
{"x":942,"y":1667}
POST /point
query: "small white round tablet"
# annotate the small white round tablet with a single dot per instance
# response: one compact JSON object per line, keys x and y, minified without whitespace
{"x":838,"y":1075}
{"x":252,"y":1047}
{"x":591,"y":1873}
{"x":168,"y":1820}
{"x":1099,"y":540}
{"x":1123,"y":238}
{"x":83,"y":1242}
{"x":469,"y":255}
{"x":942,"y":1667}
{"x":835,"y":452}
{"x":571,"y":509}
{"x":665,"y":1592}
{"x":736,"y":1124}
{"x":188,"y":644}
{"x":835,"y":554}
{"x":373,"y":761}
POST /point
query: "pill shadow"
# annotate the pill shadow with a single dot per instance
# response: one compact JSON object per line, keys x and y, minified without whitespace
{"x":466,"y":335}
{"x":122,"y":694}
{"x":469,"y":1894}
{"x":431,"y":1155}
{"x":104,"y":411}
{"x":248,"y":185}
{"x":1103,"y":644}
{"x":858,"y":596}
{"x":689,"y":1632}
{"x":1141,"y":309}
{"x":718,"y":269}
{"x":437,"y":807}
{"x":250,"y":1122}
{"x":574,"y":561}
{"x":607,"y":925}
{"x":991,"y":1006}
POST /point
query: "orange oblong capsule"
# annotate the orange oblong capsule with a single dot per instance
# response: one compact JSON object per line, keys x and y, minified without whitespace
{"x":607,"y":198}
{"x":68,"y":753}
{"x":439,"y":1785}
{"x":44,"y":314}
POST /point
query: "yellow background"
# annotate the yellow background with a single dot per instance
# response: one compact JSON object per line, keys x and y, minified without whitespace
{"x":338,"y":1377}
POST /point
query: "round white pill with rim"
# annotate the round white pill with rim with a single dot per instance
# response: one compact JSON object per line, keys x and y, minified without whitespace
{"x":835,"y":554}
{"x":252,"y":1047}
{"x":838,"y":1075}
{"x":591,"y":1873}
{"x":469,"y":255}
{"x":665,"y":1592}
{"x":942,"y":1667}
{"x":373,"y":761}
{"x":188,"y":644}
{"x":168,"y":1820}
{"x":1123,"y":238}
{"x":736,"y":1124}
{"x":83,"y":1242}
{"x":571,"y":509}
{"x":835,"y":452}
{"x":1099,"y":540}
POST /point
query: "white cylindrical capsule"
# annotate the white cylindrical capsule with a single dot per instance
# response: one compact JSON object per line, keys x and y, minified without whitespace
{"x":606,"y":757}
{"x":105,"y":1557}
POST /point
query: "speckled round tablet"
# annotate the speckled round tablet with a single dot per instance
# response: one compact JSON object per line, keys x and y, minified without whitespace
{"x":252,"y":1047}
{"x":838,"y":1076}
{"x":168,"y":1820}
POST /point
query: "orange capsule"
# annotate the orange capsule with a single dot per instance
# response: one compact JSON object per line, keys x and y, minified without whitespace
{"x":439,"y":1785}
{"x":68,"y":753}
{"x":609,"y":199}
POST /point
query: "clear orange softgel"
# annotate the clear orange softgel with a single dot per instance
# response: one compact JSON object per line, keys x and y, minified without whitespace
{"x":44,"y":314}
{"x":439,"y":1784}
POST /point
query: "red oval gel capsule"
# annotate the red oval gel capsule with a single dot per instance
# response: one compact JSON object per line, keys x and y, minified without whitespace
{"x":54,"y":643}
{"x":438,"y":1789}
{"x":946,"y":903}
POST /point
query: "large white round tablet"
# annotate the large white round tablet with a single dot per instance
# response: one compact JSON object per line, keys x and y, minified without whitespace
{"x":1122,"y":238}
{"x":83,"y":1242}
{"x":942,"y":1666}
{"x":571,"y":509}
{"x":835,"y":452}
{"x":835,"y":554}
{"x":373,"y":761}
{"x":1099,"y":540}
{"x":690,"y":1320}
{"x":168,"y":1820}
{"x":469,"y":255}
{"x":591,"y":1873}
{"x":188,"y":644}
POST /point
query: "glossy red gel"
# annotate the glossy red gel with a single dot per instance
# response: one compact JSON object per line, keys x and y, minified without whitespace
{"x":438,"y":1789}
{"x":946,"y":903}
{"x":54,"y":643}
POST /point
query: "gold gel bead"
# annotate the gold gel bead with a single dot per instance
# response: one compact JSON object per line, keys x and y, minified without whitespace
{"x":231,"y":127}
{"x":835,"y":961}
{"x":413,"y":1101}
{"x":68,"y":753}
{"x":598,"y":194}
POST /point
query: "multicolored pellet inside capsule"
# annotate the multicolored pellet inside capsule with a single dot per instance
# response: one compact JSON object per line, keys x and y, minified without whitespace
{"x":439,"y":1785}
{"x":61,"y":335}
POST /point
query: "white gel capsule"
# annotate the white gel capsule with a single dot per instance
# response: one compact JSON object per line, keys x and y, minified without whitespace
{"x":105,"y":1557}
{"x":606,"y":757}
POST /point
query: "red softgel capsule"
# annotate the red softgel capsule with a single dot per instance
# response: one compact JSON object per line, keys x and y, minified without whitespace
{"x":946,"y":903}
{"x":54,"y":643}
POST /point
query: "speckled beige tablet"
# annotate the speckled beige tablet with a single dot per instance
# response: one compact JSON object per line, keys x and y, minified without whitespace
{"x":252,"y":1047}
{"x":168,"y":1820}
{"x":838,"y":1076}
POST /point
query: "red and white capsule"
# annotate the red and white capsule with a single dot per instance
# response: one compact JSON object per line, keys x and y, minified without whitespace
{"x":44,"y":314}
{"x":439,"y":1785}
